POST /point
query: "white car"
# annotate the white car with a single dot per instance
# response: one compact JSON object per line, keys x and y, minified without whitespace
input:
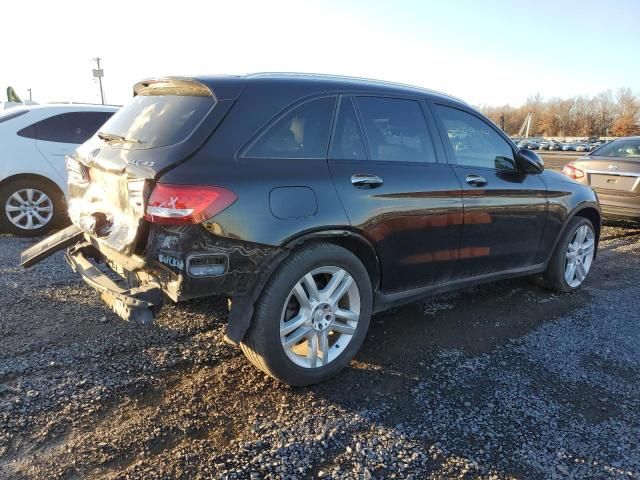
{"x":34,"y":142}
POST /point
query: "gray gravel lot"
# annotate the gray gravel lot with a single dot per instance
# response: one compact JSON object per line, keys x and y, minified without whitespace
{"x":500,"y":381}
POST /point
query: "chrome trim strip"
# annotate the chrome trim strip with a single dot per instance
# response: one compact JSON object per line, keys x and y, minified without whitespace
{"x":612,"y":173}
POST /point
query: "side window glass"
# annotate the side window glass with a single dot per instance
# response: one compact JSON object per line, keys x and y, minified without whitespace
{"x":347,"y":142}
{"x":474,"y":142}
{"x":301,"y":133}
{"x":396,"y":130}
{"x":82,"y":125}
{"x":52,"y":129}
{"x":73,"y":127}
{"x":28,"y":132}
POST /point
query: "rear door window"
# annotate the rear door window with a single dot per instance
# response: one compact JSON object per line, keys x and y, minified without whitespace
{"x":151,"y":121}
{"x":301,"y":133}
{"x":53,"y":129}
{"x":396,"y":130}
{"x":83,"y":125}
{"x":347,"y":142}
{"x":72,"y":127}
{"x":474,"y":142}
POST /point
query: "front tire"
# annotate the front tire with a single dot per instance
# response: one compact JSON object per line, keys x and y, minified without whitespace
{"x":573,"y":257}
{"x":311,"y":317}
{"x":30,"y":207}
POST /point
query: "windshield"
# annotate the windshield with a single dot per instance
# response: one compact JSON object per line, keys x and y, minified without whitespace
{"x":156,"y":120}
{"x":624,"y":148}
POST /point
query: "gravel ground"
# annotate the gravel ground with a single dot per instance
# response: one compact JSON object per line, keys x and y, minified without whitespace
{"x":501,"y":381}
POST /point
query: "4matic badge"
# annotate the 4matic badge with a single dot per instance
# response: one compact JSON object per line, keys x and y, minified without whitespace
{"x":171,"y":261}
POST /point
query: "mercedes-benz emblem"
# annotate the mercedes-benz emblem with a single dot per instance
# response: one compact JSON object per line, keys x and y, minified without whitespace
{"x":613,"y":167}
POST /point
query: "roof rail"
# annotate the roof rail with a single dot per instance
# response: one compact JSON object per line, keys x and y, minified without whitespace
{"x":83,"y":103}
{"x":347,"y":77}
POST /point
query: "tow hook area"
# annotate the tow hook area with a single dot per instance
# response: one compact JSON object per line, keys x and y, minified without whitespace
{"x":139,"y":304}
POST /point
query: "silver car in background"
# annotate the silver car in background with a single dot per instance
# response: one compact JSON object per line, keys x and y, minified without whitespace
{"x":613,"y":171}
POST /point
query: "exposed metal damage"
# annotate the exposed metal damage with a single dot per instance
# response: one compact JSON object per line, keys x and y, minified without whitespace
{"x":175,"y":248}
{"x":152,"y":261}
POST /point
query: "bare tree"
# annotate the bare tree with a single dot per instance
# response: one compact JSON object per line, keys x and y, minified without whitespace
{"x":626,"y":122}
{"x":601,"y":115}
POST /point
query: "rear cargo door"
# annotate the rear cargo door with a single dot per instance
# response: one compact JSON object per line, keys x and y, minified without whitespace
{"x":111,"y":174}
{"x":166,"y":122}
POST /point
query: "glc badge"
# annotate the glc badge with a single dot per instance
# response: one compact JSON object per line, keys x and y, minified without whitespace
{"x":140,"y":163}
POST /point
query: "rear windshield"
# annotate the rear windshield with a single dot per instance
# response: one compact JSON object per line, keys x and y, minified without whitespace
{"x":625,"y":148}
{"x":157,"y":120}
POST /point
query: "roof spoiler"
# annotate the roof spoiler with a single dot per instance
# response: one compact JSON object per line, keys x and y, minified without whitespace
{"x":172,"y":86}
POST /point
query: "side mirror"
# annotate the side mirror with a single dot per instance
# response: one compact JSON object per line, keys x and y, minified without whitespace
{"x":529,"y":161}
{"x":505,"y":163}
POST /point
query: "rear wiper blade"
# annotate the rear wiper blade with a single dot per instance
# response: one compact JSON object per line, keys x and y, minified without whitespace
{"x":112,"y":137}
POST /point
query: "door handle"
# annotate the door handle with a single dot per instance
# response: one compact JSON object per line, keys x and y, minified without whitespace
{"x":366,"y":180}
{"x":476,"y":180}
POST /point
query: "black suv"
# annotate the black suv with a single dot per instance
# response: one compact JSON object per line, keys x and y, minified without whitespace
{"x":312,"y":201}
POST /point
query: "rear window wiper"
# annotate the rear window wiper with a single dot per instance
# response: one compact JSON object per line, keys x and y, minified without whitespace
{"x":112,"y":137}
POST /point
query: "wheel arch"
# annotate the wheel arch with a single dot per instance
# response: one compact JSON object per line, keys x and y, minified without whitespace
{"x":591,"y":212}
{"x":348,"y":239}
{"x":594,"y":216}
{"x":241,"y":314}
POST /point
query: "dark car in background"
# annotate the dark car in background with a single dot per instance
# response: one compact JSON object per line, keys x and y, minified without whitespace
{"x":613,"y":171}
{"x":529,"y":144}
{"x":312,"y":201}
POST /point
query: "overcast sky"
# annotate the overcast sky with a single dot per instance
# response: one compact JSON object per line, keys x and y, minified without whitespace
{"x":485,"y":52}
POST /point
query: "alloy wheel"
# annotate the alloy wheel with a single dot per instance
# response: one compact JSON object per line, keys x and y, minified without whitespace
{"x":29,"y":209}
{"x":320,"y":317}
{"x":579,"y":255}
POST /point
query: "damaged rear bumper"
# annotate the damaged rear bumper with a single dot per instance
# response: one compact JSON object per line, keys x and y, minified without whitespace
{"x":169,"y":264}
{"x":50,"y":245}
{"x":137,"y":304}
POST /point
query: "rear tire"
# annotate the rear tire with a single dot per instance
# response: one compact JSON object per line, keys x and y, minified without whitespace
{"x":30,"y":207}
{"x":302,"y":342}
{"x":572,"y":258}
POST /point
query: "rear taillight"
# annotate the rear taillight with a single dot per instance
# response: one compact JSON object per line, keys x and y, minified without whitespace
{"x":186,"y":204}
{"x":572,"y":172}
{"x":77,"y":173}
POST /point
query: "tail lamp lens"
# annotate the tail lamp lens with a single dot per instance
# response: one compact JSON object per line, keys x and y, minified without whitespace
{"x":572,"y":172}
{"x":77,"y":173}
{"x":186,"y":204}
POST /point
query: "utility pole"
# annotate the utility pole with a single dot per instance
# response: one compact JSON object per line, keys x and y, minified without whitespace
{"x":29,"y":94}
{"x":502,"y":121}
{"x":99,"y":73}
